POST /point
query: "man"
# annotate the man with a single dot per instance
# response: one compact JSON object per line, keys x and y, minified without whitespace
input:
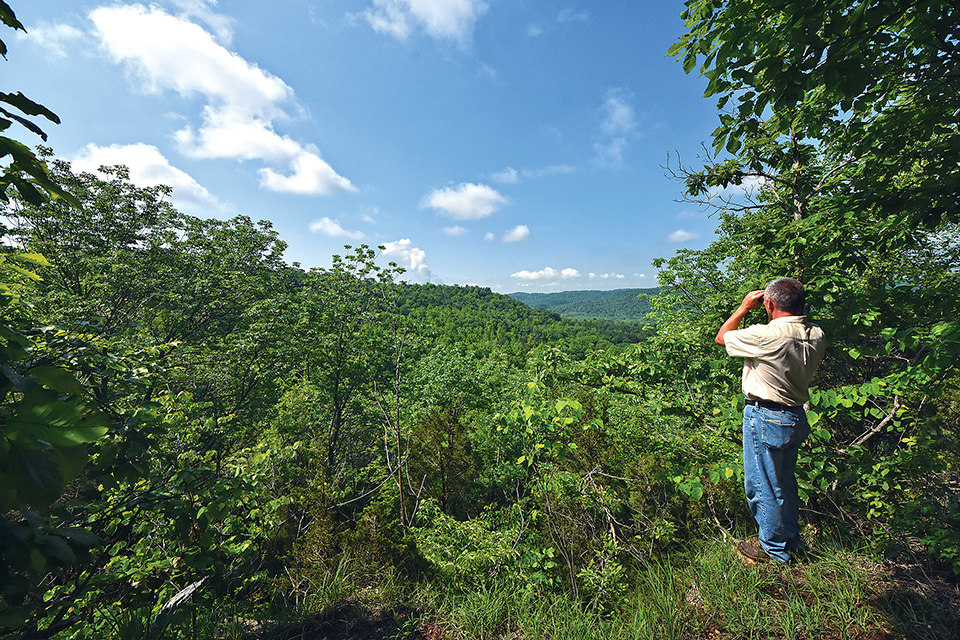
{"x":779,"y":360}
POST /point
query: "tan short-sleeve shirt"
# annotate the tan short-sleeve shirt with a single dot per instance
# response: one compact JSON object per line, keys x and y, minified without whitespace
{"x":780,"y":358}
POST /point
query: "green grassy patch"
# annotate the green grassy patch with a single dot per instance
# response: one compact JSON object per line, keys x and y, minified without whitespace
{"x":706,"y":593}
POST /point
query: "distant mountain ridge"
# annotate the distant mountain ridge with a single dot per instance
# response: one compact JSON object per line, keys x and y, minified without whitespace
{"x":618,"y":304}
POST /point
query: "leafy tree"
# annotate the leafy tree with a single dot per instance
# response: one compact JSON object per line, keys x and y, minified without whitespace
{"x":127,"y":263}
{"x":343,"y":404}
{"x":620,"y":304}
{"x":454,"y":391}
{"x":104,"y":252}
{"x":25,"y":173}
{"x":346,"y":344}
{"x":172,"y":513}
{"x":47,"y":418}
{"x":843,"y":116}
{"x":845,"y":112}
{"x":489,"y":322}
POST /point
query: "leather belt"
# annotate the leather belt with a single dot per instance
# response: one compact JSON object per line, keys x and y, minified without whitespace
{"x":767,"y":404}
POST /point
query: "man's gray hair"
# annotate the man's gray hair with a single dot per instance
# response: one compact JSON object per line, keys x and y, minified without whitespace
{"x":787,"y":294}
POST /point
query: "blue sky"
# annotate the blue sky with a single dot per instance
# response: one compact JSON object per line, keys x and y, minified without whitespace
{"x":514,"y":144}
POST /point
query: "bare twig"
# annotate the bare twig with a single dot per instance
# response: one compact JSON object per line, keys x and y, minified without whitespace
{"x":880,"y":426}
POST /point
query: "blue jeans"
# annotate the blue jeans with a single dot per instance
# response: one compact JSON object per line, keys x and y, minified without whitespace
{"x":771,"y":440}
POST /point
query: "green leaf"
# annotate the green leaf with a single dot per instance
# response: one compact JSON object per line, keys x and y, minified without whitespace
{"x":35,"y":473}
{"x":28,"y":106}
{"x":80,"y":536}
{"x":57,"y":379}
{"x":8,"y":18}
{"x":33,"y":258}
{"x":42,"y":416}
{"x":55,"y":547}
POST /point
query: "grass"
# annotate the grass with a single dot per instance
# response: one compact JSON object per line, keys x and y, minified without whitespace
{"x":708,"y":592}
{"x":825,"y":598}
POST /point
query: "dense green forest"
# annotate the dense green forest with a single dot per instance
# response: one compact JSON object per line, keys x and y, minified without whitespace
{"x":199,"y":440}
{"x":477,"y":316}
{"x":629,"y":305}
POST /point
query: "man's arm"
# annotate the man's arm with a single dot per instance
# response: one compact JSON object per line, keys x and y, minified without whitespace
{"x":751,"y":301}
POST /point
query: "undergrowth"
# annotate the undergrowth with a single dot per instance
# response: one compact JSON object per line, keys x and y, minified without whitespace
{"x":706,"y":592}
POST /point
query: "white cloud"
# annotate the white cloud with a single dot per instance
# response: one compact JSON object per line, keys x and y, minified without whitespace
{"x":547,"y":273}
{"x":554,"y":169}
{"x":332,"y":228}
{"x":682,"y":235}
{"x":390,"y":18}
{"x":165,"y":52}
{"x":518,"y":233}
{"x":311,"y":176}
{"x":148,"y":167}
{"x":455,"y":231}
{"x":465,"y":202}
{"x":619,"y":117}
{"x":168,"y":52}
{"x":221,"y":25}
{"x":748,"y":187}
{"x":618,"y":124}
{"x":570,"y":14}
{"x":443,"y":19}
{"x":549,"y":131}
{"x":512,"y":176}
{"x":53,"y":39}
{"x":487,"y":72}
{"x":407,"y":255}
{"x":507,"y":176}
{"x":489,"y":237}
{"x":608,"y":276}
{"x":610,"y":152}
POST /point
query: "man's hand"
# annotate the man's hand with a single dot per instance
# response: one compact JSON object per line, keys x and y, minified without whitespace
{"x":750,"y":301}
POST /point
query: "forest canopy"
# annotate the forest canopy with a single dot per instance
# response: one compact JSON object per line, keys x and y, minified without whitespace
{"x":625,"y":305}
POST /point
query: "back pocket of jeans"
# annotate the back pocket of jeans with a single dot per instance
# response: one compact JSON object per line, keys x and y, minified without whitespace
{"x":777,"y":430}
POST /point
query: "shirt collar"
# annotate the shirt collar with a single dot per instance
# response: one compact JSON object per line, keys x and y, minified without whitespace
{"x":787,"y":319}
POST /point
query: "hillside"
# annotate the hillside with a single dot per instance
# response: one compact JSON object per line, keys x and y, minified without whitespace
{"x":619,"y":304}
{"x":472,"y":315}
